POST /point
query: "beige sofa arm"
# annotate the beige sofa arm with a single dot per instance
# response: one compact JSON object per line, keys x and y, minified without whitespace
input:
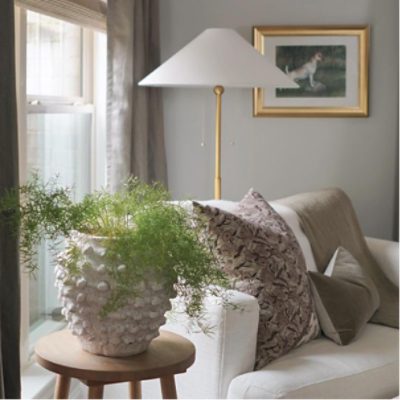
{"x":386,"y":253}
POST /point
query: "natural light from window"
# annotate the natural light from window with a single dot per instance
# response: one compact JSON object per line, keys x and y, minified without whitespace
{"x":54,"y":54}
{"x":65,"y":130}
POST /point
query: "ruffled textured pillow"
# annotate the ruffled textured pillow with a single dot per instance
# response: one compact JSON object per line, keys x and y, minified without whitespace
{"x":260,"y":254}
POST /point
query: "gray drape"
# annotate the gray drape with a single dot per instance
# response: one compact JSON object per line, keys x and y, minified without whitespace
{"x":135,"y":137}
{"x":9,"y":265}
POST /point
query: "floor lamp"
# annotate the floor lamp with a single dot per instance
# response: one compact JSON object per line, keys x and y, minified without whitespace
{"x":218,"y":58}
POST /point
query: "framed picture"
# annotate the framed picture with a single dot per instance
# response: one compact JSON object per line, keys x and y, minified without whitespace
{"x":330,"y":65}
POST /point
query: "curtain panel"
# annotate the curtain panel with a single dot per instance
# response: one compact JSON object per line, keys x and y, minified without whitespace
{"x":135,"y":137}
{"x":9,"y":259}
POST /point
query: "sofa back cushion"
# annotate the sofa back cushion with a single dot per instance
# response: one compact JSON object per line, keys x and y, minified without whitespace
{"x":259,"y":252}
{"x":329,"y":221}
{"x":293,"y":221}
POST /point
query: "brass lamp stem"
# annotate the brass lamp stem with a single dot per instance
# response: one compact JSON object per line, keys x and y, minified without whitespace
{"x":218,"y":90}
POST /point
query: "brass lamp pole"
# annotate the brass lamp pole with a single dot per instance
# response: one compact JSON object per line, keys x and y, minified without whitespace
{"x":218,"y":90}
{"x":218,"y":58}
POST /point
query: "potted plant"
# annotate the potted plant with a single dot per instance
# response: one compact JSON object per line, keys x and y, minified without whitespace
{"x":125,"y":256}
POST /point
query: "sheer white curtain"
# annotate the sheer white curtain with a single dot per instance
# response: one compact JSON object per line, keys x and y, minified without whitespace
{"x":86,"y":13}
{"x":135,"y":141}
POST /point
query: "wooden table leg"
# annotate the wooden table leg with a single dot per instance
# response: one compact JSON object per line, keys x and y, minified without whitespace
{"x":135,"y":390}
{"x":62,"y":387}
{"x":168,"y":388}
{"x":96,"y":392}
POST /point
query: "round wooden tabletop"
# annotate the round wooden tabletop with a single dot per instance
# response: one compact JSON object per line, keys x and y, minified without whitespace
{"x":168,"y":354}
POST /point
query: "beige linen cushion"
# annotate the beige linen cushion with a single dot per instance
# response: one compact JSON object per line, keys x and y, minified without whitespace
{"x":258,"y":251}
{"x":345,"y":297}
{"x":328,"y":219}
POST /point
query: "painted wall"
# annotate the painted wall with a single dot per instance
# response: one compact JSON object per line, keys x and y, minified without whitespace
{"x":283,"y":156}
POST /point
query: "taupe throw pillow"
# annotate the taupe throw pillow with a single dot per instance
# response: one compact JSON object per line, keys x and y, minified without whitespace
{"x":259,"y":252}
{"x":345,"y":297}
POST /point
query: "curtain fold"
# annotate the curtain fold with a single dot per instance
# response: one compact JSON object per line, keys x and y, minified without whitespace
{"x":9,"y":260}
{"x":135,"y":136}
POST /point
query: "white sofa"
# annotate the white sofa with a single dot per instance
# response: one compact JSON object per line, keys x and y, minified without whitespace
{"x":366,"y":368}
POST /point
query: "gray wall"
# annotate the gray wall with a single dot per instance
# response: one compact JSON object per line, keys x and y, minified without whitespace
{"x":283,"y":156}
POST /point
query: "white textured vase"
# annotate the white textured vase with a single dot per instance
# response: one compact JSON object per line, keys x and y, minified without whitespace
{"x":124,"y":332}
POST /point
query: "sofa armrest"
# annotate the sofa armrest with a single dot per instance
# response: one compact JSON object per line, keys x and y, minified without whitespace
{"x":386,"y":253}
{"x":228,"y":352}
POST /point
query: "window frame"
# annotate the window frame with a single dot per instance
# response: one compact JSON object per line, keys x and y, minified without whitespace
{"x":30,"y":104}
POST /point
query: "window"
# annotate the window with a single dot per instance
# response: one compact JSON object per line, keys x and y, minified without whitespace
{"x":54,"y":57}
{"x":62,"y":133}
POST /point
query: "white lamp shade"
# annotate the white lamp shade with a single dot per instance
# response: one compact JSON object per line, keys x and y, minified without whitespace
{"x":218,"y":57}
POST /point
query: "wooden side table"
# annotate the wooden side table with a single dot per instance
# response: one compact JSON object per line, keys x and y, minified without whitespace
{"x":169,"y":354}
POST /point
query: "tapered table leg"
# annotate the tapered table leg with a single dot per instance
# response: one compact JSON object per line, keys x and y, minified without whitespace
{"x":62,"y":387}
{"x":96,"y":392}
{"x":168,"y":388}
{"x":135,"y":390}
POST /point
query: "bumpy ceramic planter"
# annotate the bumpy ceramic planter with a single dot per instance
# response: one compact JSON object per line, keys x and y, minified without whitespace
{"x":121,"y":333}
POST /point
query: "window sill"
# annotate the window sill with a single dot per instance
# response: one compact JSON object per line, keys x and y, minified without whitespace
{"x":38,"y":383}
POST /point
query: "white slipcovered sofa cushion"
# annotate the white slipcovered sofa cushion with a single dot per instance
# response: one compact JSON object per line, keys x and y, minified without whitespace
{"x":366,"y":368}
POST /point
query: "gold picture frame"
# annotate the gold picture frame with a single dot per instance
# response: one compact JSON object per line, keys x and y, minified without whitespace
{"x":346,"y":48}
